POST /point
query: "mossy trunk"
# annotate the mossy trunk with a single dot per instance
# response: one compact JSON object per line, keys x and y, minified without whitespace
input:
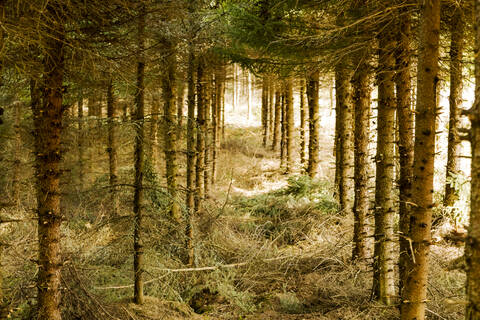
{"x":169,"y":127}
{"x":276,"y":123}
{"x":47,"y":112}
{"x":361,"y":100}
{"x":112,"y":150}
{"x":139,"y":164}
{"x":385,"y":206}
{"x":472,"y":245}
{"x":405,"y":117}
{"x":414,"y":293}
{"x":289,"y":125}
{"x":201,"y":128}
{"x":191,"y":156}
{"x":313,"y":124}
{"x":154,"y":149}
{"x":457,"y":30}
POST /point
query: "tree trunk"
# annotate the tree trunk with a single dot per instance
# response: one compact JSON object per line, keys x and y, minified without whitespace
{"x":154,"y":146}
{"x":216,"y":117}
{"x":289,"y":124}
{"x":303,"y":122}
{"x":16,"y":154}
{"x":191,"y":155}
{"x":139,"y":159}
{"x":180,"y":103}
{"x":313,"y":124}
{"x":80,"y":144}
{"x":271,"y":94}
{"x":455,"y":101}
{"x":112,"y":150}
{"x":208,"y":132}
{"x":170,"y":125}
{"x":47,"y":121}
{"x":346,"y":143}
{"x":200,"y":161}
{"x":264,"y":110}
{"x":283,"y":129}
{"x":405,"y":119}
{"x":276,"y":123}
{"x":361,"y":99}
{"x":415,"y":289}
{"x":383,"y":273}
{"x":472,"y":245}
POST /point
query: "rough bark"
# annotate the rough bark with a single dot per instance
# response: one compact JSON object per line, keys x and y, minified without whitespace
{"x":201,"y":128}
{"x":216,"y":117}
{"x":345,"y":153}
{"x":16,"y":154}
{"x":455,"y":101}
{"x":289,"y":125}
{"x":276,"y":123}
{"x":169,"y":127}
{"x":383,"y":272}
{"x":191,"y":156}
{"x":283,"y":129}
{"x":313,"y":124}
{"x":208,"y":132}
{"x":47,"y":121}
{"x":472,"y":245}
{"x":415,"y":288}
{"x":180,"y":103}
{"x":139,"y":163}
{"x":154,"y":149}
{"x":264,"y":113}
{"x":112,"y":150}
{"x":405,"y":119}
{"x":303,"y":124}
{"x":80,"y":144}
{"x":361,"y":100}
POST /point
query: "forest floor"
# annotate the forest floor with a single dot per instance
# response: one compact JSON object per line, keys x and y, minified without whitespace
{"x":275,"y":247}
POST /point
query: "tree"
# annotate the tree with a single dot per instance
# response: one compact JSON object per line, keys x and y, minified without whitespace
{"x":414,"y":291}
{"x":313,"y":123}
{"x":112,"y":149}
{"x":303,"y":122}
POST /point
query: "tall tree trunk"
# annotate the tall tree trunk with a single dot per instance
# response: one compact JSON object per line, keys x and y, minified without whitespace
{"x":16,"y":154}
{"x":201,"y":128}
{"x":383,"y":272}
{"x":289,"y":124}
{"x":283,"y":129}
{"x":472,"y":245}
{"x":112,"y":150}
{"x":208,"y":132}
{"x":170,"y":125}
{"x":154,"y":146}
{"x":180,"y":102}
{"x":361,"y":100}
{"x":346,"y":143}
{"x":80,"y":144}
{"x":303,"y":123}
{"x":249,"y":94}
{"x":313,"y":123}
{"x":47,"y":121}
{"x":276,"y":123}
{"x":264,"y":110}
{"x":139,"y":162}
{"x":415,"y":288}
{"x":271,"y":94}
{"x":405,"y":119}
{"x":216,"y":116}
{"x":455,"y":101}
{"x":191,"y":155}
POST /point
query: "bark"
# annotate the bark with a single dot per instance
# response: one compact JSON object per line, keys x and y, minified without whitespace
{"x":472,"y":244}
{"x":201,"y":128}
{"x":139,"y":163}
{"x":405,"y":119}
{"x":47,"y":121}
{"x":345,"y":154}
{"x":264,"y":114}
{"x":455,"y":101}
{"x":191,"y":155}
{"x":170,"y":125}
{"x":154,"y":145}
{"x":216,"y":117}
{"x":303,"y":123}
{"x":249,"y":94}
{"x":414,"y":291}
{"x":208,"y":133}
{"x":276,"y":123}
{"x":383,"y":274}
{"x":80,"y":144}
{"x":180,"y":103}
{"x":283,"y":129}
{"x":112,"y":150}
{"x":16,"y":154}
{"x":361,"y":100}
{"x":289,"y":125}
{"x":313,"y":124}
{"x":271,"y":93}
